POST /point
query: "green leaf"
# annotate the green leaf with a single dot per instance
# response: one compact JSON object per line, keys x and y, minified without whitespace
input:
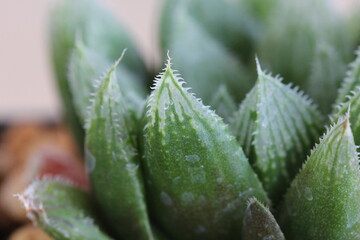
{"x":307,"y":43}
{"x":198,"y":175}
{"x":113,"y":161}
{"x":62,"y":210}
{"x":326,"y":73}
{"x":352,"y":105}
{"x":234,"y":27}
{"x":323,"y":200}
{"x":86,"y":67}
{"x":277,"y":126}
{"x":259,"y":223}
{"x":100,"y":32}
{"x":349,"y":98}
{"x":223,"y":104}
{"x":211,"y":63}
{"x":351,"y":81}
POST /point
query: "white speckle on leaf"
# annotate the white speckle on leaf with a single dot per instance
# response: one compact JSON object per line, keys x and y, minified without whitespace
{"x":308,"y":194}
{"x":192,"y":158}
{"x":187,"y":197}
{"x":200,"y":229}
{"x":165,"y":198}
{"x":90,"y":161}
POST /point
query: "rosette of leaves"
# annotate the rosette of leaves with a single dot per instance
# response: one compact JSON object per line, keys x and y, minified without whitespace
{"x":167,"y":166}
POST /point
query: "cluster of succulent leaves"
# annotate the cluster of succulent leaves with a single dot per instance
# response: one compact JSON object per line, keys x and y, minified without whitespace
{"x":167,"y":166}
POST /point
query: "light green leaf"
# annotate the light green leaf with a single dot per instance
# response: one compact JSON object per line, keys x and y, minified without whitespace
{"x":198,"y":52}
{"x":62,"y":210}
{"x":323,"y":200}
{"x":277,"y":126}
{"x":100,"y":32}
{"x":352,"y":105}
{"x":85,"y":66}
{"x":113,"y":162}
{"x":198,"y":175}
{"x":259,"y":223}
{"x":327,"y":70}
{"x":223,"y":104}
{"x":85,"y":69}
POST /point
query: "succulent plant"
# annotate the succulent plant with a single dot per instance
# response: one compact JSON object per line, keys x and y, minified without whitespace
{"x":237,"y":156}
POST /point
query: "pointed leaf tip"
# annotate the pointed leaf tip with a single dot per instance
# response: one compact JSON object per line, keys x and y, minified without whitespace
{"x":258,"y":66}
{"x":63,"y":211}
{"x":277,"y":126}
{"x":259,"y":223}
{"x":169,"y":59}
{"x":327,"y":185}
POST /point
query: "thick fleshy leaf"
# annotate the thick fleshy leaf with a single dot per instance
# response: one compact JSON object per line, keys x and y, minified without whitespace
{"x":192,"y":45}
{"x":351,"y":81}
{"x":349,"y":98}
{"x":85,"y":66}
{"x":85,"y":69}
{"x":197,"y":173}
{"x":277,"y":126}
{"x":62,"y":210}
{"x":299,"y":36}
{"x":323,"y":200}
{"x":223,"y":104}
{"x":113,"y":162}
{"x":99,"y":31}
{"x":259,"y":223}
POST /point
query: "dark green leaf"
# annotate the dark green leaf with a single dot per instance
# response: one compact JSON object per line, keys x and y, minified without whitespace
{"x":259,"y":223}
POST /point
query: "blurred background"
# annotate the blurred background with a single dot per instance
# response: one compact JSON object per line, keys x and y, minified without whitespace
{"x":27,"y":89}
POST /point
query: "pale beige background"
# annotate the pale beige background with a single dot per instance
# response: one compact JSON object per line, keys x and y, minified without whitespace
{"x":26,"y":86}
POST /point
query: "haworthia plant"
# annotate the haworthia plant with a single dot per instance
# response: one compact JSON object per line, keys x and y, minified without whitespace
{"x":100,"y":32}
{"x":62,"y":210}
{"x":198,"y":175}
{"x":259,"y":223}
{"x":322,"y":202}
{"x":171,"y":168}
{"x":113,"y":162}
{"x":277,"y":126}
